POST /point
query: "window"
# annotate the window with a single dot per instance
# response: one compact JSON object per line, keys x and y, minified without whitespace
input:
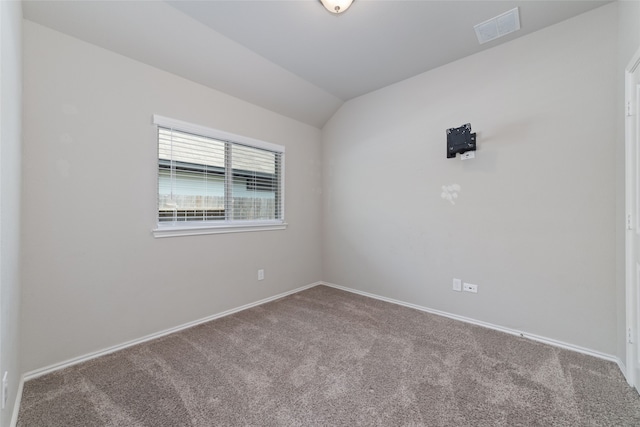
{"x":210,"y":181}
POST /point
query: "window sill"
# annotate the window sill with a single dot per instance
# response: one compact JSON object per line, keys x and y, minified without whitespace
{"x":195,"y":230}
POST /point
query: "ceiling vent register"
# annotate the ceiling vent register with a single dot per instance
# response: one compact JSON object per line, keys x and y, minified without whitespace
{"x":499,"y":26}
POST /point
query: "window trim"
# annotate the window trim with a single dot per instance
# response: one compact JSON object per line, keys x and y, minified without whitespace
{"x":195,"y":230}
{"x":229,"y":226}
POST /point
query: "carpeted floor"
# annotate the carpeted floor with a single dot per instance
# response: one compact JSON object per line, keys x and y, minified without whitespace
{"x":325,"y":357}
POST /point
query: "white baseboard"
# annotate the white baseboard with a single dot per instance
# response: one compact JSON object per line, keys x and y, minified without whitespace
{"x":70,"y":362}
{"x":510,"y":331}
{"x":623,"y":368}
{"x":16,"y":405}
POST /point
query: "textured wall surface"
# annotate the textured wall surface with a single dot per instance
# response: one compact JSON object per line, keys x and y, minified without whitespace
{"x":10,"y":153}
{"x":93,"y":274}
{"x":533,"y":223}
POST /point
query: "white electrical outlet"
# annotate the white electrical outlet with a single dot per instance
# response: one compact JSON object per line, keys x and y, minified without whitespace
{"x":5,"y":388}
{"x":468,"y":287}
{"x":261,"y":274}
{"x":457,"y":285}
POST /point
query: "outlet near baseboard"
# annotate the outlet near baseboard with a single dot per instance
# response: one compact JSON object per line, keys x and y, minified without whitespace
{"x":469,"y":287}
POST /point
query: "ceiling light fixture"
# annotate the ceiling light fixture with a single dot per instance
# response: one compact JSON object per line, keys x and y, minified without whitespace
{"x":336,"y":6}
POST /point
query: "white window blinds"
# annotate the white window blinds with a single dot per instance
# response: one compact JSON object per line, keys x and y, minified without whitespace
{"x":206,"y":178}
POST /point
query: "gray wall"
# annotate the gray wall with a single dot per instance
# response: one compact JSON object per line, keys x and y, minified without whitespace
{"x":93,"y":275}
{"x":534,"y":222}
{"x":10,"y":147}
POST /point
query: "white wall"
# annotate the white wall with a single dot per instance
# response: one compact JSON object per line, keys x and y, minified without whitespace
{"x":534,"y":223}
{"x":10,"y":147}
{"x":93,"y":275}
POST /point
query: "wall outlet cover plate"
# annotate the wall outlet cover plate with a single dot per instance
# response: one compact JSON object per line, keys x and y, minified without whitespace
{"x":469,"y":287}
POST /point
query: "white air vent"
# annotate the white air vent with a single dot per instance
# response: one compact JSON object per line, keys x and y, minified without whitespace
{"x":499,"y":26}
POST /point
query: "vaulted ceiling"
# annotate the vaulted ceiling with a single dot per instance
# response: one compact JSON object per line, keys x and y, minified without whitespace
{"x":294,"y":57}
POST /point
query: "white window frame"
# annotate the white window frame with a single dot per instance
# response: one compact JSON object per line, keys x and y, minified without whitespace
{"x":227,"y":226}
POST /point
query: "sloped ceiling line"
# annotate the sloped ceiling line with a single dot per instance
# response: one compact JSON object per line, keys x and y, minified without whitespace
{"x":292,"y":57}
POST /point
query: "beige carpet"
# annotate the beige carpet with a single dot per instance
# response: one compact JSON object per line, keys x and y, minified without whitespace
{"x":325,"y":357}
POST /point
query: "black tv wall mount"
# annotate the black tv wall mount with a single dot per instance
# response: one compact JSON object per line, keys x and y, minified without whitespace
{"x":460,"y":140}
